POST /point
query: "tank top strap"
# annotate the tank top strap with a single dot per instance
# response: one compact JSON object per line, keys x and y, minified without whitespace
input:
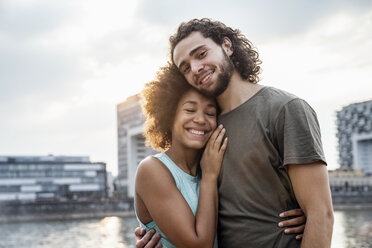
{"x":176,"y":171}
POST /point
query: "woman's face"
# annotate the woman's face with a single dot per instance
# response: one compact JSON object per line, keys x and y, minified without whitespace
{"x":194,"y":121}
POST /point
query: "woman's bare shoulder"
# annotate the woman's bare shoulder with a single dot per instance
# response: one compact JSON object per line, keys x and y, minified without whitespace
{"x":149,"y":165}
{"x":152,"y":169}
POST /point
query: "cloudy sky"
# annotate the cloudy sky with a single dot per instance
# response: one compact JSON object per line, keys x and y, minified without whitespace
{"x":64,"y":65}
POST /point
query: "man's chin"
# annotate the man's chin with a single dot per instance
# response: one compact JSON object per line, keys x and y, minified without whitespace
{"x":212,"y":91}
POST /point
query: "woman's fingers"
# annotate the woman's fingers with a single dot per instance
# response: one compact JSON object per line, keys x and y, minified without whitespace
{"x":292,"y":212}
{"x":214,"y":136}
{"x":298,"y":230}
{"x":217,"y":143}
{"x":293,"y":222}
{"x":223,"y":147}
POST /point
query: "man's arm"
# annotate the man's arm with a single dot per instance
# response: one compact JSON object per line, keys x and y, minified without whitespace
{"x":311,"y":188}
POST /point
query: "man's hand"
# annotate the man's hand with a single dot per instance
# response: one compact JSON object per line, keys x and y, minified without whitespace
{"x":147,"y":240}
{"x":296,"y":223}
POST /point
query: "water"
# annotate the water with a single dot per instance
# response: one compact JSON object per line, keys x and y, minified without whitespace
{"x":353,"y":229}
{"x":111,"y":232}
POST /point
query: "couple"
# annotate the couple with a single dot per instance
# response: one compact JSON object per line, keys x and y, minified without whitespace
{"x":271,"y":162}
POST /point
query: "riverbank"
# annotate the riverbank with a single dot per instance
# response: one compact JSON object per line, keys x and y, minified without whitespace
{"x":355,"y":206}
{"x":45,"y":212}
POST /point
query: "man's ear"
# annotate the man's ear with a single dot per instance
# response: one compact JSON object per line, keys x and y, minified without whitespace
{"x":227,"y":46}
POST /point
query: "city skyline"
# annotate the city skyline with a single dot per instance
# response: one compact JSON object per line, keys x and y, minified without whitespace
{"x":64,"y":66}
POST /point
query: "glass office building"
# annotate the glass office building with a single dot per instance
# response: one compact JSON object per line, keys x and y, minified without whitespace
{"x":354,"y":133}
{"x":51,"y":178}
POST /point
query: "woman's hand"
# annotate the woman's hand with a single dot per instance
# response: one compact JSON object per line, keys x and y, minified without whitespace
{"x":147,"y":239}
{"x":213,"y":153}
{"x":295,"y":223}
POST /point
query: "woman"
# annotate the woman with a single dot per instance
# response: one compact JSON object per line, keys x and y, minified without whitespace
{"x":173,"y":194}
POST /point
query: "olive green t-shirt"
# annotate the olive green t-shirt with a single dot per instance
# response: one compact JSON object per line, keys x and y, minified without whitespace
{"x":269,"y":131}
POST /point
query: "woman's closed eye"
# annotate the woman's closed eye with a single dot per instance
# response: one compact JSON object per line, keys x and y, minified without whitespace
{"x":189,"y":110}
{"x":210,"y":113}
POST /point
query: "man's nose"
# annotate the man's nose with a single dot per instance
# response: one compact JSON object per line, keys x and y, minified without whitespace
{"x":196,"y":66}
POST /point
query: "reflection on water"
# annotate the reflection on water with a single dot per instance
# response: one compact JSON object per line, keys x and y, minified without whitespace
{"x":353,"y":229}
{"x":112,"y":232}
{"x":338,"y":237}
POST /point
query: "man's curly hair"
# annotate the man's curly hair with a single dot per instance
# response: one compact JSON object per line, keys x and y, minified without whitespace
{"x":245,"y":58}
{"x":159,"y":104}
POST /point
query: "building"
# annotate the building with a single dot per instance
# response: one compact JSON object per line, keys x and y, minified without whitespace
{"x":110,"y":179}
{"x":349,"y":182}
{"x":350,"y":187}
{"x":51,"y":178}
{"x":354,"y":133}
{"x":131,"y":144}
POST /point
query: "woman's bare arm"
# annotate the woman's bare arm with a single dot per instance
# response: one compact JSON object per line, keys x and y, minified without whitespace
{"x":167,"y":207}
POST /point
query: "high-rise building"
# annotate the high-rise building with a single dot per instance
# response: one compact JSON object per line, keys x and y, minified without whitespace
{"x":131,"y":144}
{"x":354,"y":133}
{"x":51,"y":178}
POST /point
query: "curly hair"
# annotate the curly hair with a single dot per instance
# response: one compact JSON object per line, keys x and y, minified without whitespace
{"x":245,"y":58}
{"x":159,"y":104}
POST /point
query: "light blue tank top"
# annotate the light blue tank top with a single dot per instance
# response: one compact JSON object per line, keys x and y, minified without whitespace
{"x":189,"y":187}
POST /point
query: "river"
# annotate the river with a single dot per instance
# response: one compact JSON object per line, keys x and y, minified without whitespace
{"x":353,"y":229}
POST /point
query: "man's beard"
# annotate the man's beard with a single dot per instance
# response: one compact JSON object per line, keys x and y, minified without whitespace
{"x":223,"y":79}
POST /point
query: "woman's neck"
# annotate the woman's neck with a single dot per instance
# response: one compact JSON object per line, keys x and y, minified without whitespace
{"x":187,"y":159}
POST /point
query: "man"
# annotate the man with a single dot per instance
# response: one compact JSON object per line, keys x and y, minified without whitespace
{"x":274,"y":160}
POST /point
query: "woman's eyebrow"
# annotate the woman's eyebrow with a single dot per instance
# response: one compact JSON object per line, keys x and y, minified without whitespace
{"x":189,"y":101}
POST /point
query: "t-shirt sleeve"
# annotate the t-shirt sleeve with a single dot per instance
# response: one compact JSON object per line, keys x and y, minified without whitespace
{"x":298,"y":134}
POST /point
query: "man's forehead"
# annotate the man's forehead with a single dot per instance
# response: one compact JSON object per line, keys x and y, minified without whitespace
{"x":188,"y":44}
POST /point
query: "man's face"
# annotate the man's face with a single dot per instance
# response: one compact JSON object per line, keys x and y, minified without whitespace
{"x":205,"y":64}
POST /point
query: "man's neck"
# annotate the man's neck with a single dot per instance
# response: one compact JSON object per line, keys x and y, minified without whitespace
{"x":238,"y":92}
